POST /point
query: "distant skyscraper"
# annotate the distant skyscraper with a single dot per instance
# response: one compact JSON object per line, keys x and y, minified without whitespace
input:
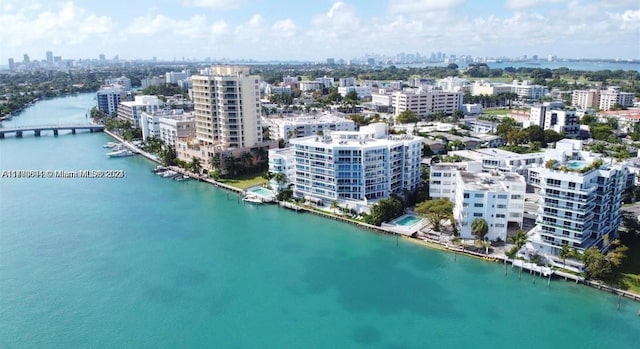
{"x":331,"y":61}
{"x":12,"y":64}
{"x":26,"y":59}
{"x":102,"y":59}
{"x":49,"y":57}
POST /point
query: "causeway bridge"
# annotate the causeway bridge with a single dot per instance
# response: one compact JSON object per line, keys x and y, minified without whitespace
{"x":37,"y":129}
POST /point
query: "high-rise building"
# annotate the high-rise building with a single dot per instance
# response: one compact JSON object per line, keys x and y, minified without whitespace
{"x":26,"y":59}
{"x":109,"y":98}
{"x":132,"y":110}
{"x":586,"y":98}
{"x":362,"y":165}
{"x":49,"y":57}
{"x":580,"y":199}
{"x":12,"y":64}
{"x":227,"y":107}
{"x":102,"y":58}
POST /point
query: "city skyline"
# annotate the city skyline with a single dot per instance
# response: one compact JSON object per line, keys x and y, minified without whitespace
{"x":252,"y":29}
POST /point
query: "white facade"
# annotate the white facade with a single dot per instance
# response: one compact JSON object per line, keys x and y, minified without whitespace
{"x":580,"y":200}
{"x":277,"y":90}
{"x":526,"y":90}
{"x":344,"y":82}
{"x":362,"y":91}
{"x":227,"y":107}
{"x":173,"y":77}
{"x":489,"y":88}
{"x":123,"y":82}
{"x":497,"y":198}
{"x":150,"y":121}
{"x":325,"y":81}
{"x":172,"y":128}
{"x":366,"y":165}
{"x":310,"y":85}
{"x":282,"y":161}
{"x":454,"y":84}
{"x":132,"y":110}
{"x":307,"y":125}
{"x":108,"y":99}
{"x":425,"y":102}
{"x":612,"y":96}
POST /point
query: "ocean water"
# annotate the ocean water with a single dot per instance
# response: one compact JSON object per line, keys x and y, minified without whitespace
{"x":146,"y":262}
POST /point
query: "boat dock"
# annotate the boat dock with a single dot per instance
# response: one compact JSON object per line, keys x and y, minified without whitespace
{"x":290,"y":206}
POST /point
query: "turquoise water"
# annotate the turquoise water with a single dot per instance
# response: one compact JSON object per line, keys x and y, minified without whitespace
{"x":407,"y":220}
{"x":143,"y":262}
{"x":261,"y":191}
{"x":575,"y":165}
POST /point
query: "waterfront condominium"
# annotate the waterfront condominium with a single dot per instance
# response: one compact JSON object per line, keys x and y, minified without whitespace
{"x":496,"y":197}
{"x":226,"y":103}
{"x":580,"y":199}
{"x":132,"y":110}
{"x":361,"y":165}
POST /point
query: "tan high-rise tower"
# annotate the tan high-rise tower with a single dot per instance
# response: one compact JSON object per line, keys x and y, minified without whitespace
{"x":227,"y":107}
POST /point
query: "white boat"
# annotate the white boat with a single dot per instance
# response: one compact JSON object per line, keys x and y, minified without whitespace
{"x":159,"y":169}
{"x":168,"y":173}
{"x":252,"y":199}
{"x":120,"y":153}
{"x":110,"y":145}
{"x":181,"y":178}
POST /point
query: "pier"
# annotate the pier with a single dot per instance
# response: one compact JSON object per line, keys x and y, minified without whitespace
{"x":37,"y":130}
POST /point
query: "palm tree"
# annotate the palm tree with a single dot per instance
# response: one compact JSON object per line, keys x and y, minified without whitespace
{"x":231,"y":165}
{"x":479,"y":228}
{"x":334,"y":206}
{"x":214,"y":161}
{"x":196,"y":165}
{"x":565,"y":253}
{"x":280,"y":178}
{"x":247,"y":159}
{"x":520,"y":238}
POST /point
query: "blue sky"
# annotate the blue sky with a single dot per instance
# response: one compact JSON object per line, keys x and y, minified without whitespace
{"x":317,"y":29}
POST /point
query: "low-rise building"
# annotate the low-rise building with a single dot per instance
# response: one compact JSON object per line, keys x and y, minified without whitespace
{"x":303,"y":125}
{"x":424,"y":102}
{"x":132,"y":110}
{"x":282,"y":161}
{"x":361,"y":91}
{"x":168,"y":125}
{"x":614,"y":97}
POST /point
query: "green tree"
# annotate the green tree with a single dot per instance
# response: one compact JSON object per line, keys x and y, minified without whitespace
{"x":435,"y":211}
{"x":385,"y":210}
{"x":334,"y":206}
{"x":407,"y":117}
{"x":195,"y":165}
{"x":596,"y":266}
{"x":519,"y":238}
{"x":479,"y":228}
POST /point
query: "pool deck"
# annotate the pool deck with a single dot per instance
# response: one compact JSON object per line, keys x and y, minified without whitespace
{"x":407,"y":230}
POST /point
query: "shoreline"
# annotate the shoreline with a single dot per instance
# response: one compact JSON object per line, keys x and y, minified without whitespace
{"x":435,"y":245}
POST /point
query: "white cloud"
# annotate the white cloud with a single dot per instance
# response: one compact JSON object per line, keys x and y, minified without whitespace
{"x":524,"y":4}
{"x":214,"y":4}
{"x":631,"y":16}
{"x":413,"y":6}
{"x":192,"y":28}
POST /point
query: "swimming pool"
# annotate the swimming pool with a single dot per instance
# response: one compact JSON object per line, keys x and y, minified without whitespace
{"x":576,"y":165}
{"x":407,"y":220}
{"x":261,"y":191}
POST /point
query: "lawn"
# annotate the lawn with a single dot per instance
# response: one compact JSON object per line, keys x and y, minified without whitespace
{"x":497,"y":111}
{"x":245,"y":181}
{"x":630,"y":269}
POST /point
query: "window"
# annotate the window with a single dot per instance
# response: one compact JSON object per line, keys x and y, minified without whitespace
{"x":477,"y":214}
{"x":502,"y":196}
{"x":478,"y":205}
{"x":478,"y":195}
{"x":466,"y":195}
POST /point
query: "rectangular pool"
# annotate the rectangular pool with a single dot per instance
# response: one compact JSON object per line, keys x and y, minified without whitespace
{"x":261,"y":191}
{"x":407,"y":220}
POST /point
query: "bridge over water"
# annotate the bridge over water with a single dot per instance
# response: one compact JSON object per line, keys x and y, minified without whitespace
{"x":37,"y":129}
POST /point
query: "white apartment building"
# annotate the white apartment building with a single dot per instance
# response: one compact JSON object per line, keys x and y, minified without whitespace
{"x":365,"y":165}
{"x":132,"y":110}
{"x":489,"y":88}
{"x":426,"y":101}
{"x":580,"y":199}
{"x":277,"y":90}
{"x":306,"y":86}
{"x":108,"y":98}
{"x":361,"y":91}
{"x":454,"y":84}
{"x":307,"y":125}
{"x":150,"y":121}
{"x":282,"y":161}
{"x":525,"y":90}
{"x":585,"y":99}
{"x":557,"y":119}
{"x":325,"y":81}
{"x":227,"y":107}
{"x":173,"y":77}
{"x":502,"y":160}
{"x":498,"y":198}
{"x":613,"y":96}
{"x":344,"y":82}
{"x":175,"y":127}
